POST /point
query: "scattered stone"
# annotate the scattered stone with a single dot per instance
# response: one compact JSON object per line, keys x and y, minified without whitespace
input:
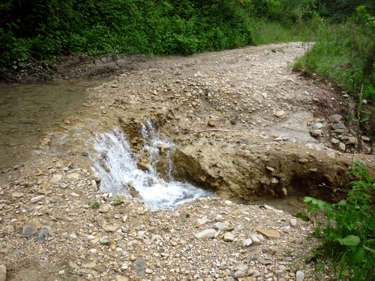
{"x":222,"y":226}
{"x":336,"y":118}
{"x":269,"y":233}
{"x":300,"y":275}
{"x":212,"y":122}
{"x":104,"y":241}
{"x":121,"y":278}
{"x":17,"y":194}
{"x":35,"y":223}
{"x":293,"y":222}
{"x":63,"y":185}
{"x":43,"y":234}
{"x":335,"y":141}
{"x":140,"y":267}
{"x":104,"y":208}
{"x":279,"y":113}
{"x":255,"y":239}
{"x":16,"y":167}
{"x":228,"y":237}
{"x":37,"y":198}
{"x":90,"y":264}
{"x":143,"y":166}
{"x":3,"y":272}
{"x":338,"y":126}
{"x":56,"y":178}
{"x":201,"y":221}
{"x":316,"y":133}
{"x":29,"y":231}
{"x":352,"y":140}
{"x":342,"y":146}
{"x":366,"y":139}
{"x":247,"y":242}
{"x":207,"y":233}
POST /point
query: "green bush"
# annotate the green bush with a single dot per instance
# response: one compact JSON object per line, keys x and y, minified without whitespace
{"x":349,"y":236}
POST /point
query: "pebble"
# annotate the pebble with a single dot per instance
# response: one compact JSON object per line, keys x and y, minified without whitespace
{"x":269,"y":233}
{"x":104,"y":208}
{"x":247,"y":242}
{"x":3,"y":272}
{"x":228,"y":237}
{"x":28,"y":231}
{"x":300,"y":275}
{"x":293,"y":222}
{"x":207,"y":233}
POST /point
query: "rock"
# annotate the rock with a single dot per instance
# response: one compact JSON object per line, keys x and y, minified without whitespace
{"x":293,"y":222}
{"x":335,"y":141}
{"x":239,"y":274}
{"x":73,"y":176}
{"x":339,"y":126}
{"x":140,"y":267}
{"x":43,"y":234}
{"x":300,"y":275}
{"x":269,"y":233}
{"x":17,"y":194}
{"x":63,"y":185}
{"x":201,"y":221}
{"x":35,"y":223}
{"x":352,"y":140}
{"x":16,"y":167}
{"x":90,"y":264}
{"x":143,"y":166}
{"x":121,"y":278}
{"x":222,"y":226}
{"x":3,"y":272}
{"x":109,"y":228}
{"x":279,"y":113}
{"x":336,"y":118}
{"x":28,"y":231}
{"x":37,"y":198}
{"x":255,"y":239}
{"x":104,"y":240}
{"x":366,"y":139}
{"x":247,"y":242}
{"x":318,"y":125}
{"x":316,"y":133}
{"x":104,"y":208}
{"x":207,"y":233}
{"x":56,"y":178}
{"x":342,"y":146}
{"x":228,"y":237}
{"x":212,"y":122}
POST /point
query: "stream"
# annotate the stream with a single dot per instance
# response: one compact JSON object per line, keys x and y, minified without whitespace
{"x":28,"y":113}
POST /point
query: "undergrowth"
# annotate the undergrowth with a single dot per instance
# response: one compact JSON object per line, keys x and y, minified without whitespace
{"x":349,"y":235}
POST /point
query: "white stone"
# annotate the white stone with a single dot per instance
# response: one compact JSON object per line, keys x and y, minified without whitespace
{"x":293,"y":222}
{"x":247,"y":242}
{"x":228,"y":237}
{"x":207,"y":233}
{"x":300,"y":275}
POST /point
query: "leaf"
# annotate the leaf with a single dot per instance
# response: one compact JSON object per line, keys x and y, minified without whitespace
{"x":356,"y":257}
{"x":302,"y":217}
{"x":350,"y":240}
{"x":369,"y":249}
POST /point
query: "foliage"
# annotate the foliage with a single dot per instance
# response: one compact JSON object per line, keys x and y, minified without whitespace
{"x":348,"y":236}
{"x":95,"y":205}
{"x":117,"y":200}
{"x":42,"y":30}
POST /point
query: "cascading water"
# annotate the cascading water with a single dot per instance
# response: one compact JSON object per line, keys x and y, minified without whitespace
{"x":116,"y":165}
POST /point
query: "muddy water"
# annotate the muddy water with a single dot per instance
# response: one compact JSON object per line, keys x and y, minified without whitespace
{"x":29,"y":112}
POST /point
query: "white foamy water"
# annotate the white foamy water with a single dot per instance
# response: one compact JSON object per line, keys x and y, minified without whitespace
{"x":117,"y":167}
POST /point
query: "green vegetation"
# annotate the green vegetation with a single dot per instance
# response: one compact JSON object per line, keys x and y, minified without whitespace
{"x":95,"y":205}
{"x":117,"y":200}
{"x":349,"y":235}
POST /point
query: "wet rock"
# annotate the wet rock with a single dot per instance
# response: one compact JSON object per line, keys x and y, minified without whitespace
{"x":207,"y":233}
{"x":143,"y":166}
{"x":269,"y":233}
{"x":3,"y":272}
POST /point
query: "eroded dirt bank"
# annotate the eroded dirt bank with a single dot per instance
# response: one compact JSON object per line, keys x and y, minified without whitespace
{"x":243,"y":124}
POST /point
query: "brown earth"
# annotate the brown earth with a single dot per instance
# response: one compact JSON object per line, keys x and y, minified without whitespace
{"x":243,"y":124}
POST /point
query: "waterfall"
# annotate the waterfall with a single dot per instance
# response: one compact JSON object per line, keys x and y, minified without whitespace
{"x":116,"y":165}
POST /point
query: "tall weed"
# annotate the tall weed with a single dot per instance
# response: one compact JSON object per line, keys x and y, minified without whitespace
{"x":349,"y":235}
